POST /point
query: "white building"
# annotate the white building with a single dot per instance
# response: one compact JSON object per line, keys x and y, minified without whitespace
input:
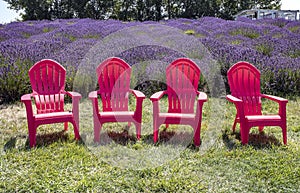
{"x":268,"y":13}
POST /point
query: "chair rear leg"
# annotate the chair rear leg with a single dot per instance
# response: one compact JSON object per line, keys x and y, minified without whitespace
{"x":234,"y":124}
{"x":66,"y":126}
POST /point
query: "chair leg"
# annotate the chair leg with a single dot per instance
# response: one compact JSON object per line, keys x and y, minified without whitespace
{"x":155,"y":130}
{"x":261,"y":128}
{"x":234,"y":124}
{"x":197,"y":135}
{"x":76,"y":130}
{"x":284,"y":134}
{"x":244,"y":130}
{"x":32,"y":135}
{"x":97,"y":129}
{"x":138,"y":130}
{"x":66,"y":126}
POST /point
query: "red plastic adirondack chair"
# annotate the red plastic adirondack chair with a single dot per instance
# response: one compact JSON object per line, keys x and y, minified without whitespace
{"x":244,"y":82}
{"x":114,"y":81}
{"x":47,"y":78}
{"x":182,"y":78}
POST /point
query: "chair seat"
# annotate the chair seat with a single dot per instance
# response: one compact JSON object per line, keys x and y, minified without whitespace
{"x":177,"y":115}
{"x":262,"y":118}
{"x":55,"y":115}
{"x":117,"y":114}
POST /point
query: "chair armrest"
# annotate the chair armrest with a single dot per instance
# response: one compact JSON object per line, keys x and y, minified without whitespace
{"x":75,"y":104}
{"x":26,"y":98}
{"x":137,"y":94}
{"x":238,"y":105}
{"x":274,"y":98}
{"x":281,"y":102}
{"x":233,"y":99}
{"x":93,"y":95}
{"x":94,"y":98}
{"x":139,"y":104}
{"x":157,"y":96}
{"x":73,"y":94}
{"x":202,"y":96}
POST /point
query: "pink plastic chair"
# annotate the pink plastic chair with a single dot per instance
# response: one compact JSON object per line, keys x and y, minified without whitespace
{"x":47,"y":78}
{"x":244,"y":82}
{"x":182,"y":84}
{"x":114,"y":81}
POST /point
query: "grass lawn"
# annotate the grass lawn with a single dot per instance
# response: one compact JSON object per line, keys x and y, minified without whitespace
{"x":122,"y":164}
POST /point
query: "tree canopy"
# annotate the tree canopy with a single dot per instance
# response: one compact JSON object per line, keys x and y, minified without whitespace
{"x":139,"y":10}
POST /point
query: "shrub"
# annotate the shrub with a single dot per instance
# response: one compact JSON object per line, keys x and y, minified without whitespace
{"x":14,"y":80}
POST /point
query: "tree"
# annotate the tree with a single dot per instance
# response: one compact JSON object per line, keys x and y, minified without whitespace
{"x":140,"y":10}
{"x":33,"y":9}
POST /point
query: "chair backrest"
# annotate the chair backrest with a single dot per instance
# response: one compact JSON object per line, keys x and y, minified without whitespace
{"x":182,"y":85}
{"x":47,"y":78}
{"x":114,"y":82}
{"x":244,"y":82}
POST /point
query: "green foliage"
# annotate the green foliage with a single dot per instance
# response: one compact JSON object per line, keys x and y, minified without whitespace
{"x":14,"y":80}
{"x":294,"y":54}
{"x":190,"y":32}
{"x":245,"y":32}
{"x":26,"y":35}
{"x":236,"y":42}
{"x":264,"y":49}
{"x":283,"y":82}
{"x":294,"y":29}
{"x":69,"y":36}
{"x":47,"y":29}
{"x":91,"y":36}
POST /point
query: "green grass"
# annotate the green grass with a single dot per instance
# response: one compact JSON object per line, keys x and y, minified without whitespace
{"x":122,"y":164}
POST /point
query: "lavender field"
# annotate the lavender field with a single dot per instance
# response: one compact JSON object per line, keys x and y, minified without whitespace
{"x":271,"y":45}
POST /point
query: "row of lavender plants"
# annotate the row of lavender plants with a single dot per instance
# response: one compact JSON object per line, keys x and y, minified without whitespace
{"x":271,"y":45}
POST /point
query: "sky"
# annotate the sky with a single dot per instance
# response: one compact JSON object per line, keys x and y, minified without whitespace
{"x":7,"y":15}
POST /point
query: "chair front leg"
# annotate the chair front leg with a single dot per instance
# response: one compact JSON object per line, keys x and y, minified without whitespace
{"x":284,"y":132}
{"x":32,"y":134}
{"x":244,"y":132}
{"x":155,"y":120}
{"x":97,"y":130}
{"x":155,"y":129}
{"x":138,"y":127}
